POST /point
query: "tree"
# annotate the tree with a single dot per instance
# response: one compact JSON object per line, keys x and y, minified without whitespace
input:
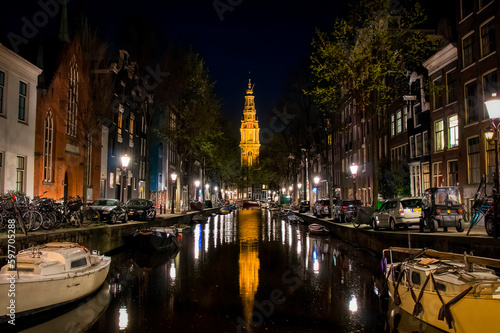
{"x":364,"y":59}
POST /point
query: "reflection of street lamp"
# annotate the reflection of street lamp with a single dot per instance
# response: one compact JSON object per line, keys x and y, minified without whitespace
{"x":299,"y":186}
{"x":206,"y":191}
{"x":125,"y":160}
{"x":354,"y":171}
{"x":493,"y":108}
{"x":174,"y":178}
{"x":196,"y":184}
{"x":316,"y":181}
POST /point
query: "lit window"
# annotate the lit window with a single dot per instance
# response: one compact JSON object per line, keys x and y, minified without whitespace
{"x":48,"y":147}
{"x":20,"y":173}
{"x":392,"y":125}
{"x":453,"y":131}
{"x":439,"y":135}
{"x":426,"y":176}
{"x":405,"y":118}
{"x":399,"y":125}
{"x":72,"y":98}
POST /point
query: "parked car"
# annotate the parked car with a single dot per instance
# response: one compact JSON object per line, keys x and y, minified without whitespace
{"x":321,"y":207}
{"x":441,"y":208}
{"x":111,"y":210}
{"x":343,"y":207}
{"x":304,"y":206}
{"x":141,"y":209}
{"x":399,"y":212}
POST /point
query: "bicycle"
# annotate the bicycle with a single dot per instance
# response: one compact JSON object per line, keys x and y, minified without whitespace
{"x":10,"y":211}
{"x":352,"y":217}
{"x":73,"y":213}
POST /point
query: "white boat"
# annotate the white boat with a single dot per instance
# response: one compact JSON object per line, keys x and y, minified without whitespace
{"x":49,"y":275}
{"x":455,"y":293}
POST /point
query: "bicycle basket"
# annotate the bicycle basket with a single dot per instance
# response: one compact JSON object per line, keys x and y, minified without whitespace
{"x":8,"y":203}
{"x":74,"y":205}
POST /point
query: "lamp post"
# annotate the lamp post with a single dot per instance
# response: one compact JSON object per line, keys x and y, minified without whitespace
{"x":125,"y":160}
{"x":354,"y":172}
{"x":196,"y":184}
{"x":493,"y":108}
{"x":316,"y":181}
{"x":290,"y":188}
{"x":216,"y":193}
{"x":174,"y":178}
{"x":299,"y":186}
{"x":207,"y":195}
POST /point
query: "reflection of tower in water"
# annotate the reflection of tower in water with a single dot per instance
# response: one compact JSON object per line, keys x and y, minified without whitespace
{"x":248,"y":229}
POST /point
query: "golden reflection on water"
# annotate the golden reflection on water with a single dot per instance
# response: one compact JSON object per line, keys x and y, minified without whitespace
{"x":249,"y":263}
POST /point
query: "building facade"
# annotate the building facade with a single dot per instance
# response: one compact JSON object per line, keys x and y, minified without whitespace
{"x":18,"y":106}
{"x":250,"y":143}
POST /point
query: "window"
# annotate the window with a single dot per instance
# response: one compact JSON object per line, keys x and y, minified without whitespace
{"x":488,"y":38}
{"x":405,"y":118}
{"x":489,"y":84}
{"x":468,"y":50}
{"x":437,"y":177}
{"x":418,"y":143}
{"x":20,"y":173}
{"x":484,"y":3}
{"x":418,"y":115}
{"x":452,"y":173}
{"x":471,"y":103}
{"x":466,"y":7}
{"x":426,"y":176}
{"x":438,"y":95}
{"x":2,"y":86}
{"x":111,"y":180}
{"x":439,"y":135}
{"x":425,"y":139}
{"x":48,"y":147}
{"x":412,"y":146}
{"x":120,"y":124}
{"x":71,"y":120}
{"x":392,"y":125}
{"x":453,"y":131}
{"x":399,"y":125}
{"x":89,"y":161}
{"x":451,"y":87}
{"x":473,"y":160}
{"x":23,"y":90}
{"x":79,"y":263}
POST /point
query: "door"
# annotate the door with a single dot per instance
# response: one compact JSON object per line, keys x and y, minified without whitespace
{"x":383,"y":214}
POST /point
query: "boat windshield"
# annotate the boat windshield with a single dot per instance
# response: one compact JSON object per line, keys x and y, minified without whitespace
{"x":444,"y":196}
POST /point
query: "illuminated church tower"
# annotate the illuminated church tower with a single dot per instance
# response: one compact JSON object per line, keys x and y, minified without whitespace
{"x":249,"y":143}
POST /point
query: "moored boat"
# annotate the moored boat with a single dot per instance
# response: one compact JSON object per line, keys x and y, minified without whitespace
{"x":251,"y":204}
{"x":318,"y":229}
{"x":49,"y":275}
{"x":455,"y":293}
{"x":154,"y":239}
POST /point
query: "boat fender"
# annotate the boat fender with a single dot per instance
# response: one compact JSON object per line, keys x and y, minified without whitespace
{"x":444,"y":311}
{"x":418,"y":308}
{"x":397,"y":299}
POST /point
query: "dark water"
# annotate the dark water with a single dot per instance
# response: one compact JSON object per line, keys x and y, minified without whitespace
{"x":242,"y":272}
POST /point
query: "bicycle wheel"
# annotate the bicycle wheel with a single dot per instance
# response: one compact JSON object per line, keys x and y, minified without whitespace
{"x":89,"y":216}
{"x":32,"y":220}
{"x":355,"y":222}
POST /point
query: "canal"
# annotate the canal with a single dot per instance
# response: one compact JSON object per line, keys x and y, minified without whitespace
{"x":241,"y":272}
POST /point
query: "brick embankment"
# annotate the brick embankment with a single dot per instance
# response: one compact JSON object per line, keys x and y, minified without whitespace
{"x":451,"y":241}
{"x":103,"y":237}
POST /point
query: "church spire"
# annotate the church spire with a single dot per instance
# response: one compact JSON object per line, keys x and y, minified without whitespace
{"x":249,"y":130}
{"x":63,"y":28}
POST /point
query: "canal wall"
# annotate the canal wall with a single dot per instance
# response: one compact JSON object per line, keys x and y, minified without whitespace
{"x":366,"y":237}
{"x":103,"y":238}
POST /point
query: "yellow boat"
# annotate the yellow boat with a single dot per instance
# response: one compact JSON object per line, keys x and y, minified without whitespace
{"x":455,"y":293}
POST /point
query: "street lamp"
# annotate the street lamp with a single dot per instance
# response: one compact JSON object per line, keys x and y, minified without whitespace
{"x":125,"y":160}
{"x":174,"y":178}
{"x":493,"y":108}
{"x":299,"y":186}
{"x":196,"y":184}
{"x":354,"y":172}
{"x":206,"y":191}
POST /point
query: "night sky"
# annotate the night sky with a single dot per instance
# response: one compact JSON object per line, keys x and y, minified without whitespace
{"x":267,"y":38}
